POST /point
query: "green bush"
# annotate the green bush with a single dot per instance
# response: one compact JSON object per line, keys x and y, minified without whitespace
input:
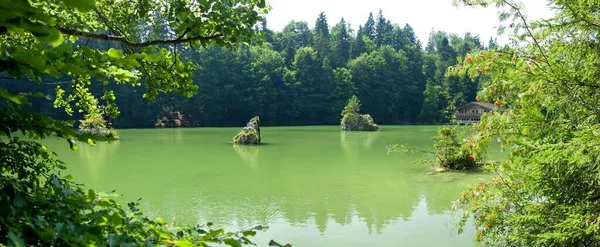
{"x":95,"y":125}
{"x":39,"y":40}
{"x":353,"y":106}
{"x":452,"y":151}
{"x":40,"y":207}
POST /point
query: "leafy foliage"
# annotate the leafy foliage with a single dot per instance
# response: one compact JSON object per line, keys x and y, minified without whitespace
{"x":40,"y":207}
{"x":95,"y":124}
{"x":454,"y":148}
{"x":398,"y":81}
{"x":546,"y":193}
{"x":353,"y":106}
{"x":75,"y":41}
{"x":454,"y":151}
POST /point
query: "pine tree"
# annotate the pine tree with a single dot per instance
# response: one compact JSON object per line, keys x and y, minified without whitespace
{"x":369,"y":28}
{"x":321,"y":36}
{"x":268,"y":33}
{"x":340,"y":44}
{"x":492,"y":44}
{"x":384,"y":29}
{"x":358,"y":46}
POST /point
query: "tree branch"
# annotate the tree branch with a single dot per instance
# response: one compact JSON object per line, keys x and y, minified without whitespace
{"x":126,"y":42}
{"x":58,"y":82}
{"x":537,"y":44}
{"x":581,"y":18}
{"x":117,"y":31}
{"x":183,"y":34}
{"x":28,"y":79}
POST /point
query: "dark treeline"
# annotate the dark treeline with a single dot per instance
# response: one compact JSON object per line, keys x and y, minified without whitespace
{"x":304,"y":76}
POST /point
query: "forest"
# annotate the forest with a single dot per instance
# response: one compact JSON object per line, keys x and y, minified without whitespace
{"x":176,"y":63}
{"x":301,"y":76}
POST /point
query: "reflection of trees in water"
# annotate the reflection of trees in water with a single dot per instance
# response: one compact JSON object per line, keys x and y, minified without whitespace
{"x":353,"y":142}
{"x":170,"y":136}
{"x":376,"y":198}
{"x":443,"y":188}
{"x":391,"y":199}
{"x":318,"y":193}
{"x":248,"y":153}
{"x":279,"y":184}
{"x":96,"y":157}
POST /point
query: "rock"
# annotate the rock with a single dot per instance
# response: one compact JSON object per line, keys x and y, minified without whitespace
{"x":177,"y":122}
{"x":251,"y":133}
{"x":171,"y":118}
{"x":358,"y":122}
{"x":101,"y":132}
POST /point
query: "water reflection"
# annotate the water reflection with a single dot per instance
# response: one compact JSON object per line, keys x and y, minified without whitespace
{"x":96,"y":158}
{"x":353,"y":142}
{"x":324,"y":184}
{"x":248,"y":153}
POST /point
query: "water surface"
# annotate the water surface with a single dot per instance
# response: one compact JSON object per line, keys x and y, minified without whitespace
{"x":313,"y":186}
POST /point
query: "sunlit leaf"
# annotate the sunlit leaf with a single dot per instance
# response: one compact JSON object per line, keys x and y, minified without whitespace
{"x":232,"y":242}
{"x":15,"y":98}
{"x":152,"y":57}
{"x":114,"y":53}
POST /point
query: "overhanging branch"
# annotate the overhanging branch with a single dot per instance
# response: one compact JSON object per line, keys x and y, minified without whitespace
{"x":128,"y":43}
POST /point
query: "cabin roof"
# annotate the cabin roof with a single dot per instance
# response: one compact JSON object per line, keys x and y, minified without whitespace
{"x":486,"y":106}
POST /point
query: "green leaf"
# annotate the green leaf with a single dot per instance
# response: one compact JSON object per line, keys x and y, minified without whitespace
{"x":91,"y":195}
{"x":56,"y":39}
{"x":262,"y":4}
{"x":91,"y":142}
{"x":81,"y":5}
{"x":232,"y":242}
{"x":184,"y":243}
{"x":47,"y":34}
{"x":114,"y":53}
{"x":152,"y":57}
{"x":116,"y":219}
{"x":72,"y":145}
{"x":131,"y":62}
{"x":15,"y":240}
{"x":15,"y":98}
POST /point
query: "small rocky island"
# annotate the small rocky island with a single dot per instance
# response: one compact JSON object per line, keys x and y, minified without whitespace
{"x":95,"y":125}
{"x":250,"y":135}
{"x":354,"y":121}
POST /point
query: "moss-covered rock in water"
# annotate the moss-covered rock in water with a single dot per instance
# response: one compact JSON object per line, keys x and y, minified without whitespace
{"x":251,"y":133}
{"x":358,"y":122}
{"x":100,"y":133}
{"x":353,"y":121}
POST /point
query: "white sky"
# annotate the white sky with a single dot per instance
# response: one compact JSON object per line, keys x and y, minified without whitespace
{"x":422,"y":15}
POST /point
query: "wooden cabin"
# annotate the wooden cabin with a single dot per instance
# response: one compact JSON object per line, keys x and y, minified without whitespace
{"x":471,"y":113}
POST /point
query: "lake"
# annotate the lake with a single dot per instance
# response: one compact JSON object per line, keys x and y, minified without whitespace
{"x":313,"y":186}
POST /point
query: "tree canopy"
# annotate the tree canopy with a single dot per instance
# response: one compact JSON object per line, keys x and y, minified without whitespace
{"x":81,"y":46}
{"x":261,"y":78}
{"x":546,"y":193}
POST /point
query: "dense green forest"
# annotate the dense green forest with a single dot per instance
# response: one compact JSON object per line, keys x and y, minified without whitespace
{"x":302,"y":76}
{"x":546,"y":193}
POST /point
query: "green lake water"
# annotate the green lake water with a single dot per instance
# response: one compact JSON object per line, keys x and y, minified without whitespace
{"x":313,"y":186}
